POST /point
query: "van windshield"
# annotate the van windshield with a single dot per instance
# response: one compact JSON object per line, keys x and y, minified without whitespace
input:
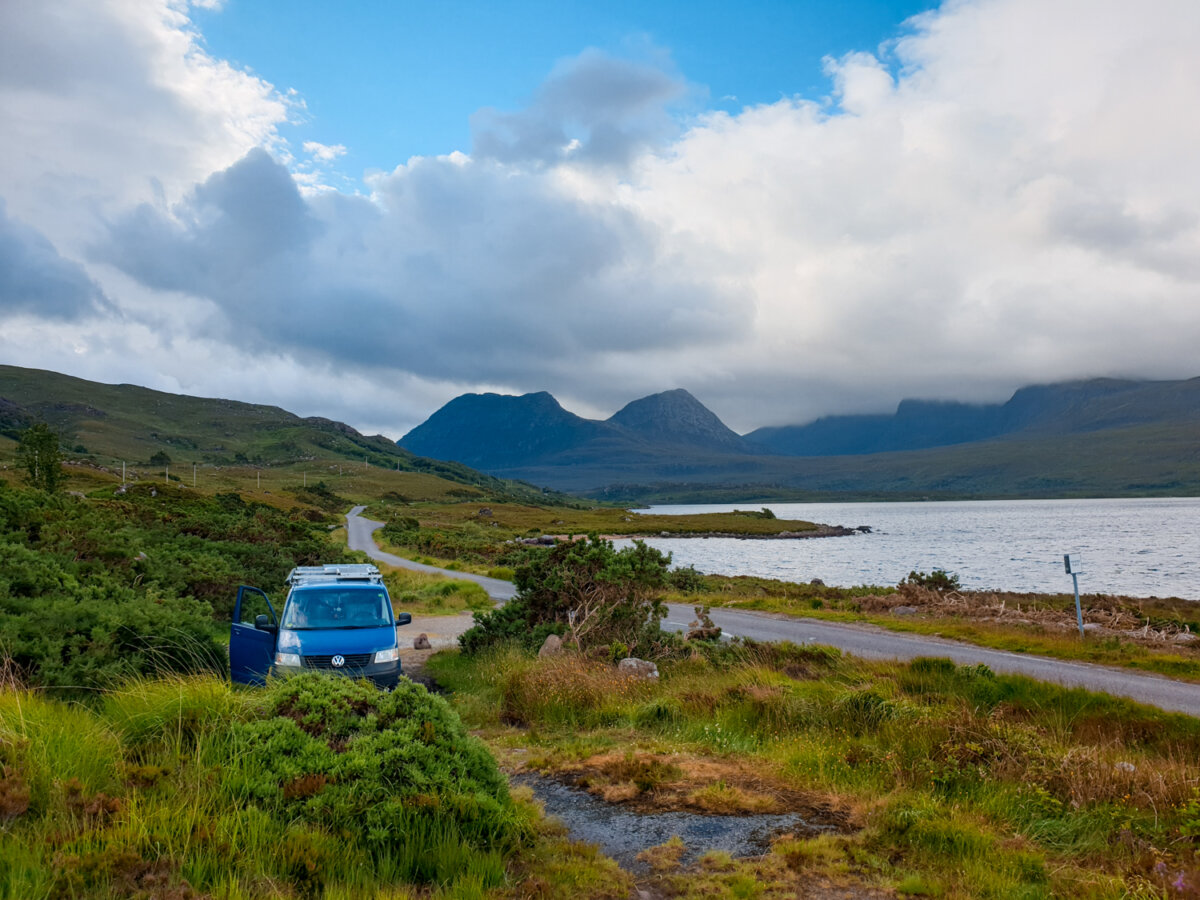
{"x":335,"y":608}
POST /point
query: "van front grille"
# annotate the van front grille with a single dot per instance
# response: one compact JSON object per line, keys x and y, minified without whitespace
{"x":352,"y":661}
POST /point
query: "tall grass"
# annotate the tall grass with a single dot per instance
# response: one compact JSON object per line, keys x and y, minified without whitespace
{"x":137,"y":795}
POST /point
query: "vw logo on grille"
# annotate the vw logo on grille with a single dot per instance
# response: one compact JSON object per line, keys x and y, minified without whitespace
{"x":338,"y":661}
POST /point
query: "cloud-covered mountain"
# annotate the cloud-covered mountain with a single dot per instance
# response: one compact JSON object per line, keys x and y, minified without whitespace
{"x":1103,"y":436}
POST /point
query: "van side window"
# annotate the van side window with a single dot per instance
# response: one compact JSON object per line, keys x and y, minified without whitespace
{"x":253,"y":604}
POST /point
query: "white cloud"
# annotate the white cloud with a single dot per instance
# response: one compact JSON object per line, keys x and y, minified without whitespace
{"x":324,"y":152}
{"x":1005,"y":194}
{"x":105,"y":104}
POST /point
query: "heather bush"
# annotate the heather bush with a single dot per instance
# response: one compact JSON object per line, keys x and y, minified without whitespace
{"x":392,"y":769}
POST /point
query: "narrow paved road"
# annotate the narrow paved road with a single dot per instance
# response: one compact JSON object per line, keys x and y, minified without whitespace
{"x":867,"y":641}
{"x":872,"y":642}
{"x":360,"y":535}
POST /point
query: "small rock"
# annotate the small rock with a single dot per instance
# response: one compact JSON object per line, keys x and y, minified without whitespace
{"x":817,"y":582}
{"x":904,"y":611}
{"x":153,"y":492}
{"x":485,"y":512}
{"x":1125,"y":767}
{"x":1185,"y":637}
{"x":77,"y":494}
{"x":1093,"y":628}
{"x":639,"y":668}
{"x":141,"y":557}
{"x":421,"y":642}
{"x":863,"y":529}
{"x":551,"y":646}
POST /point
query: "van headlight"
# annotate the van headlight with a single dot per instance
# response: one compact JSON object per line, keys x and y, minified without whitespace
{"x":382,"y":656}
{"x":288,"y":659}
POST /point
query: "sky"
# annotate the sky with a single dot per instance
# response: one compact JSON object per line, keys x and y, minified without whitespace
{"x":791,"y":209}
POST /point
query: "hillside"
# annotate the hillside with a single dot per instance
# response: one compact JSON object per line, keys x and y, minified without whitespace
{"x":105,"y":425}
{"x":1092,"y":438}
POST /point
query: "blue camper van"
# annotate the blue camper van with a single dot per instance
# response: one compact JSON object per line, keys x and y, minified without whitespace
{"x":337,"y":619}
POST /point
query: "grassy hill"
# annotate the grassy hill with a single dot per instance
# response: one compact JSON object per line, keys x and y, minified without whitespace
{"x":233,"y":445}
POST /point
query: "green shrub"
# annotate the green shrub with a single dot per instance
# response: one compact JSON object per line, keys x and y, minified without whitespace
{"x":63,"y":631}
{"x":687,"y":580}
{"x":118,"y":585}
{"x":397,"y":771}
{"x":587,"y":590}
{"x":937,"y":580}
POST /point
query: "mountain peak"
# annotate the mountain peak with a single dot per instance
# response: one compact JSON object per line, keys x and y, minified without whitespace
{"x":676,"y":417}
{"x":498,"y":429}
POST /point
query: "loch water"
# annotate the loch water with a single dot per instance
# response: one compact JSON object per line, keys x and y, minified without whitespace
{"x":1138,"y":547}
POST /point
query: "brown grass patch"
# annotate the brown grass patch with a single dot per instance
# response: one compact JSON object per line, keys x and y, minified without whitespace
{"x":711,"y":786}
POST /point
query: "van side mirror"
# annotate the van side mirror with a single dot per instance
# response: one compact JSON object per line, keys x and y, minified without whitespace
{"x":264,"y":623}
{"x":403,"y":619}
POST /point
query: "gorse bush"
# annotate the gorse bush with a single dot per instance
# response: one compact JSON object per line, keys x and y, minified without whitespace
{"x":938,"y":580}
{"x":65,"y":631}
{"x":92,"y":591}
{"x":588,"y":591}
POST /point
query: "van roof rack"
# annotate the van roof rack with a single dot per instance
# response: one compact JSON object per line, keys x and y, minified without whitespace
{"x":334,"y":573}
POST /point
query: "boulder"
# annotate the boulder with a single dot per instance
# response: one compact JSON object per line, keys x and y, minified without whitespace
{"x":1094,"y":628}
{"x":904,"y":610}
{"x":638,"y":668}
{"x":551,"y":646}
{"x":1185,"y":637}
{"x":421,"y":642}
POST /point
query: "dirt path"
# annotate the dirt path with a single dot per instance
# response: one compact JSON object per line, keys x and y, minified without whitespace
{"x":441,"y":631}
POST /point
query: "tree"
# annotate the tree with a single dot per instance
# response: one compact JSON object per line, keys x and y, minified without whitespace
{"x":160,"y":458}
{"x":39,"y":452}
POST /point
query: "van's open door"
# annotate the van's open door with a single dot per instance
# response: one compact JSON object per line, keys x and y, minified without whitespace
{"x":252,"y":637}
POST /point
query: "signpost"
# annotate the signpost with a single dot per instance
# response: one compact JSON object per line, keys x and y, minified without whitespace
{"x":1075,"y":578}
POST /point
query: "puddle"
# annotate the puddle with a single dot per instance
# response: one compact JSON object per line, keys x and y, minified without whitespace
{"x":623,"y":833}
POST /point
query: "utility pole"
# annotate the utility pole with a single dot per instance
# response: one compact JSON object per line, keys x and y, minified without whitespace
{"x":1075,"y":578}
{"x":258,"y":479}
{"x":193,"y":474}
{"x":306,"y":479}
{"x":122,"y":473}
{"x":166,"y":474}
